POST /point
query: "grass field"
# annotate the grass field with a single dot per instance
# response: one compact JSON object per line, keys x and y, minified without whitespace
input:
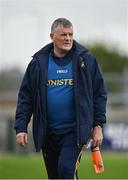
{"x":32,"y":167}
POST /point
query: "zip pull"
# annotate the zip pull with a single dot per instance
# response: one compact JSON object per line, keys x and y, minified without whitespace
{"x":83,"y":62}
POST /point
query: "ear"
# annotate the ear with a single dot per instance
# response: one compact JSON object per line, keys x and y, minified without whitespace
{"x":51,"y":36}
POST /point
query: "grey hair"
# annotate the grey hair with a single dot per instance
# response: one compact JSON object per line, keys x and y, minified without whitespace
{"x":60,"y":21}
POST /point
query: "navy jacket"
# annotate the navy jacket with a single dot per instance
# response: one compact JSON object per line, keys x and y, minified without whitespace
{"x":90,"y":95}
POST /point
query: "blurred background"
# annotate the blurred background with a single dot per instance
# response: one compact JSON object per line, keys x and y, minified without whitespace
{"x":102,"y":27}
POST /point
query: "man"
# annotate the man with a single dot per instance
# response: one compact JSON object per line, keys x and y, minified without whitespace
{"x":64,"y":90}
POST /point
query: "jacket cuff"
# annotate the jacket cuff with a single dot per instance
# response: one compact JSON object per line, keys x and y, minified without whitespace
{"x":21,"y":131}
{"x":97,"y":124}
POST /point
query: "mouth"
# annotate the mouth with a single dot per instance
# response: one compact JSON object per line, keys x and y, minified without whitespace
{"x":67,"y":44}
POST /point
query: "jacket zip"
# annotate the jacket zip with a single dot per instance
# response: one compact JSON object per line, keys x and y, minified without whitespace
{"x":82,"y":64}
{"x":76,"y":99}
{"x":45,"y":92}
{"x":45,"y":97}
{"x":45,"y":89}
{"x":77,"y":113}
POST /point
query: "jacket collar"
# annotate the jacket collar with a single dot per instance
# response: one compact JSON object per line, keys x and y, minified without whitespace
{"x":79,"y":48}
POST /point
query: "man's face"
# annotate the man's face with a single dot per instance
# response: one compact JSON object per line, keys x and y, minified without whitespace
{"x":62,"y":39}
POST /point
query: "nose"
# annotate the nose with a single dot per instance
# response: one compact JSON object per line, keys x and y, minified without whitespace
{"x":67,"y":37}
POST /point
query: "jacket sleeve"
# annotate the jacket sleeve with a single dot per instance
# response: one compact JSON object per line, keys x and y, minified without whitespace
{"x":99,"y":97}
{"x":24,"y":108}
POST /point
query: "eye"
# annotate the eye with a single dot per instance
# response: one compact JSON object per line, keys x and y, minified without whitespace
{"x":64,"y":34}
{"x":70,"y":34}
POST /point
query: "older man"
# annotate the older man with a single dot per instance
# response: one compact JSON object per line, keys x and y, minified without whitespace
{"x":64,"y":90}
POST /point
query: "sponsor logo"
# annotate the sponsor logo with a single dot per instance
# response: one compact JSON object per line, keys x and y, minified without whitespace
{"x":62,"y":71}
{"x":60,"y":82}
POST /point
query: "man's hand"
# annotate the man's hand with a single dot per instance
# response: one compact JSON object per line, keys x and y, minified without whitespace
{"x":97,"y":136}
{"x":22,"y":139}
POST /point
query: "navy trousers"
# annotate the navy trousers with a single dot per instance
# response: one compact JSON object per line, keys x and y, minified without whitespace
{"x":61,"y":154}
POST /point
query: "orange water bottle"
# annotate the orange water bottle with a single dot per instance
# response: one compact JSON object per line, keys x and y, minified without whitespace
{"x":97,"y":160}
